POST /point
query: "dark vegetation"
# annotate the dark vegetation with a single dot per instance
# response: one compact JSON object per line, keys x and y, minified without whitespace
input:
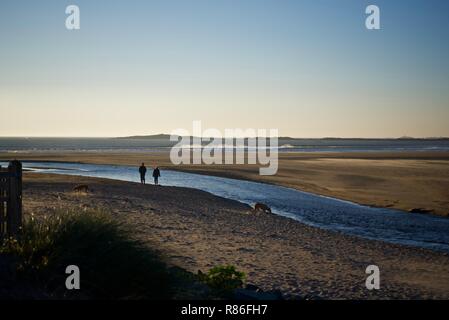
{"x":113,"y":265}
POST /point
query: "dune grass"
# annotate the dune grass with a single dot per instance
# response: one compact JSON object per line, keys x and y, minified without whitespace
{"x":112,"y":264}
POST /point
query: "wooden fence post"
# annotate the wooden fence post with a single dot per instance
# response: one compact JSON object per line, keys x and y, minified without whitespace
{"x":14,"y":214}
{"x":2,"y":206}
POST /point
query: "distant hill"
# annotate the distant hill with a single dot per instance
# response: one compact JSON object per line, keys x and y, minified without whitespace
{"x":427,"y":138}
{"x":161,"y":136}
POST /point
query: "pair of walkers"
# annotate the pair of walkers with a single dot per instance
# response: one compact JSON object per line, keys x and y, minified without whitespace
{"x":143,"y":172}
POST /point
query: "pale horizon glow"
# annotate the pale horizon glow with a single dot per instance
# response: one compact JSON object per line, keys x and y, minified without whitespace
{"x":307,"y":68}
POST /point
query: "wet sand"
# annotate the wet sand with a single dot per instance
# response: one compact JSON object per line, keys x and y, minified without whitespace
{"x":196,"y":230}
{"x":400,"y":180}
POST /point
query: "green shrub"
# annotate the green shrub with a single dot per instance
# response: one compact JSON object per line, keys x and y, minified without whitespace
{"x":223,"y":279}
{"x":112,"y":264}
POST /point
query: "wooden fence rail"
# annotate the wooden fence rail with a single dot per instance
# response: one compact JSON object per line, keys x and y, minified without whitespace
{"x":11,"y":200}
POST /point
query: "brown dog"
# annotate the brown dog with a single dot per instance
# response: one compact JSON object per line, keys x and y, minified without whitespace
{"x":81,"y":188}
{"x":262,"y":207}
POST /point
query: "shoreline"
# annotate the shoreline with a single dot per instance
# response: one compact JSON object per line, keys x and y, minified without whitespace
{"x":402,"y":181}
{"x":197,"y":230}
{"x":230,"y":176}
{"x":414,"y":241}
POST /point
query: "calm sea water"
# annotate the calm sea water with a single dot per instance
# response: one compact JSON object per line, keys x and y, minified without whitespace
{"x":285,"y":145}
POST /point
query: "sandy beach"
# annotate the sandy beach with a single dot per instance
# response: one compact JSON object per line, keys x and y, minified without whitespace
{"x":196,"y":230}
{"x":127,"y":131}
{"x":400,"y":180}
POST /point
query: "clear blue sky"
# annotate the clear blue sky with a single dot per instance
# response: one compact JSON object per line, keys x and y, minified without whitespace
{"x":308,"y":68}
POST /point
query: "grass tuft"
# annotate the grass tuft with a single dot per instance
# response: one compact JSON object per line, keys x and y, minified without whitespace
{"x":112,"y":264}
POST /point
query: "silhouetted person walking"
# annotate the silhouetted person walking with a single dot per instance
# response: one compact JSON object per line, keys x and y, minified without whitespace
{"x":142,"y":171}
{"x":156,"y":175}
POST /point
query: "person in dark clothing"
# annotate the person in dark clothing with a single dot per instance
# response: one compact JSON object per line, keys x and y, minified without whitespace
{"x":156,"y":175}
{"x":142,"y":171}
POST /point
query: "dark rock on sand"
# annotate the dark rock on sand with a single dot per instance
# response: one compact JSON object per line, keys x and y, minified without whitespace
{"x":420,"y":210}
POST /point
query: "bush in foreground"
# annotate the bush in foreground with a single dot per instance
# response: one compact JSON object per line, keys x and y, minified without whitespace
{"x":223,"y":280}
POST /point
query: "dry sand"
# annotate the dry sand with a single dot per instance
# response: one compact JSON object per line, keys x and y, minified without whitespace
{"x":401,"y":180}
{"x":197,"y":231}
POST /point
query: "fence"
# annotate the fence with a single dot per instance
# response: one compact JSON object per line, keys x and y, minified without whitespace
{"x":11,"y":200}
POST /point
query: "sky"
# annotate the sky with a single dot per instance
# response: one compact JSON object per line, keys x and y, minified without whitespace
{"x":306,"y":68}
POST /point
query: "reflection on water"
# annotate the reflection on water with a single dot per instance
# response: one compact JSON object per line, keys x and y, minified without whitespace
{"x":373,"y":223}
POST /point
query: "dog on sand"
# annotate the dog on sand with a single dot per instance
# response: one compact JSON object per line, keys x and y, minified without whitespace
{"x":262,"y":207}
{"x":81,"y":188}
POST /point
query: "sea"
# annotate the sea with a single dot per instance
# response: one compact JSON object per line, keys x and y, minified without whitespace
{"x":15,"y":145}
